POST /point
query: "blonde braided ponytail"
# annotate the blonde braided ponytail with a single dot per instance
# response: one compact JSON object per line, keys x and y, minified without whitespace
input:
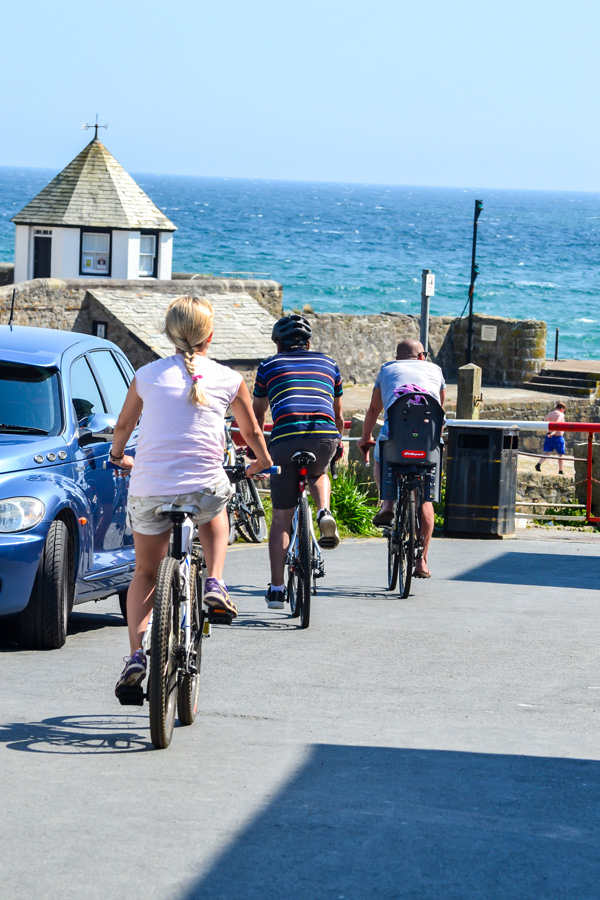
{"x":188,"y":324}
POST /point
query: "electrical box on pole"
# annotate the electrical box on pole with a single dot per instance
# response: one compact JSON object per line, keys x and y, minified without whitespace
{"x":427,"y":291}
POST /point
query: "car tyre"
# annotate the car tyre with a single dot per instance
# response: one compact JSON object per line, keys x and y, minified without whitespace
{"x":43,"y":623}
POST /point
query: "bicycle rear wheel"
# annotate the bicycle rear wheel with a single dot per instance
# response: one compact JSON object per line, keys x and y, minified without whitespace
{"x":164,"y":650}
{"x":305,"y":555}
{"x":406,"y":544}
{"x":251,"y":516}
{"x":189,"y":689}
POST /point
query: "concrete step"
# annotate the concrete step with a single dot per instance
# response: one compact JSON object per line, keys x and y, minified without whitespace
{"x":551,"y":378}
{"x":561,"y":389}
{"x":570,"y":373}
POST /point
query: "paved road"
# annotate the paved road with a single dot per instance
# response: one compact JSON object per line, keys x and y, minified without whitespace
{"x":446,"y":746}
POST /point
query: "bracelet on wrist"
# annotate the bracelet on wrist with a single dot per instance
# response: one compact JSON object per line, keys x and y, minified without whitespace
{"x":114,"y":458}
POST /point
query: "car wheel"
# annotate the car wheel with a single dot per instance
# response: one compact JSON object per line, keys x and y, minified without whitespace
{"x":122,"y":595}
{"x":43,"y":623}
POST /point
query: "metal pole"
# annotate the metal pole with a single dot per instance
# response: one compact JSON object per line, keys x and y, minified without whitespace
{"x":425,"y":310}
{"x":474,"y":274}
{"x":556,"y":346}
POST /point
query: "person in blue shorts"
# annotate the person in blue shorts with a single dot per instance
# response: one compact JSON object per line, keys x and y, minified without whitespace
{"x":554,"y":440}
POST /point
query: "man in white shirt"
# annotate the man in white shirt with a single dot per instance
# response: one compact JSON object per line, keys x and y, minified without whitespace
{"x":409,"y":370}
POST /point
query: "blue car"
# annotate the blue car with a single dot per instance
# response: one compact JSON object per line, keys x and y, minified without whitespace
{"x":64,"y":537}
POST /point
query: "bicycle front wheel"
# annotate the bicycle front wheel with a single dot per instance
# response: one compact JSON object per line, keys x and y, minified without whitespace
{"x":251,"y":522}
{"x":189,"y":690}
{"x":305,"y":556}
{"x":406,"y":545}
{"x":164,"y":651}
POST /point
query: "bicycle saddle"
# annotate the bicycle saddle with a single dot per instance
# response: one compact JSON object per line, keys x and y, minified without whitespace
{"x":304,"y":457}
{"x":168,"y":509}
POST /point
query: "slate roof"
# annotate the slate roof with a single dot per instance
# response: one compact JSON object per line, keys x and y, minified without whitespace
{"x":94,"y":191}
{"x":242,"y":326}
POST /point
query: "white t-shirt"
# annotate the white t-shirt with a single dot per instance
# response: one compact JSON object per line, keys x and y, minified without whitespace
{"x":400,"y":372}
{"x":180,"y":445}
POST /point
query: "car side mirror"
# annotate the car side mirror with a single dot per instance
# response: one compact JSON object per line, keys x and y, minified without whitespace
{"x":99,"y":429}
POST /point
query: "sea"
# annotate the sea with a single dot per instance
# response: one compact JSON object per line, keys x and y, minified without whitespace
{"x":361,"y":248}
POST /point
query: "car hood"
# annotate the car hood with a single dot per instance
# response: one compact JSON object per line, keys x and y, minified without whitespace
{"x":17,"y":452}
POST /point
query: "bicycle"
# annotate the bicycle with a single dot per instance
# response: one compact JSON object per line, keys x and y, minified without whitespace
{"x":411,"y":458}
{"x":405,"y":544}
{"x":304,"y":559}
{"x":173,"y":638}
{"x":245,"y":509}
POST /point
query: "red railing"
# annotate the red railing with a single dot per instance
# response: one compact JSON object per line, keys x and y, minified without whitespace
{"x":589,"y":428}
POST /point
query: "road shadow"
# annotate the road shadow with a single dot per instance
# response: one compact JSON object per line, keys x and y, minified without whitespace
{"x":100,"y":734}
{"x":566,"y":570}
{"x":364,"y":823}
{"x":81,"y":622}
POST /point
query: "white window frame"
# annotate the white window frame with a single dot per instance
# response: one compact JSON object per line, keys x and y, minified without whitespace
{"x":95,"y":256}
{"x":151,"y":257}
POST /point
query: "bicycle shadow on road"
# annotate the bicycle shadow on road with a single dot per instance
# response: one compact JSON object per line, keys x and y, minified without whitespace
{"x":99,"y":734}
{"x":369,"y":822}
{"x":562,"y":570}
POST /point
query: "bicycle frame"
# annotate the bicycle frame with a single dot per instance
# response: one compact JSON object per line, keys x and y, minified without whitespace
{"x":318,"y":565}
{"x":180,"y":548}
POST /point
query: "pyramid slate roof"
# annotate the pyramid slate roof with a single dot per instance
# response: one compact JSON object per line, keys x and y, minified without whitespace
{"x":94,"y":191}
{"x":242,"y":326}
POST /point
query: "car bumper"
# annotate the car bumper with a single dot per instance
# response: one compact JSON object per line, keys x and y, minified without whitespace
{"x":20,"y":555}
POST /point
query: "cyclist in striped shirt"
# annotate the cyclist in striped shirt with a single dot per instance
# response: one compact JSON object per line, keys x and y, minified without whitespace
{"x":304,"y":390}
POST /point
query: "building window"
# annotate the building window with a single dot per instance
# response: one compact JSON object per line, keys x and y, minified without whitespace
{"x":95,"y":253}
{"x":148,"y":254}
{"x":99,"y":329}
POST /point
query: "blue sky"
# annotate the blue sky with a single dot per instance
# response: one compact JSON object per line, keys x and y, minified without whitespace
{"x":469,"y":94}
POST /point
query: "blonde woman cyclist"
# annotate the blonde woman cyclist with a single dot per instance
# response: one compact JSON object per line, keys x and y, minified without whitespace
{"x":180,"y":458}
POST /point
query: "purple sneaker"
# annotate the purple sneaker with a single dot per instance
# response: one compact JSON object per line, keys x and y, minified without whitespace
{"x":134,"y":672}
{"x":217,"y":597}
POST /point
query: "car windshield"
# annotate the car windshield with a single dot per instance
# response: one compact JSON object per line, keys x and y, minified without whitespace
{"x":29,"y":400}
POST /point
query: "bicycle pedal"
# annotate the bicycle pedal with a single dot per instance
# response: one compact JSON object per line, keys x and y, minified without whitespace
{"x":131,"y":696}
{"x":219,"y":617}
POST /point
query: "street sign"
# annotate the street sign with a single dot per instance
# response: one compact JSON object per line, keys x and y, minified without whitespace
{"x":430,"y":285}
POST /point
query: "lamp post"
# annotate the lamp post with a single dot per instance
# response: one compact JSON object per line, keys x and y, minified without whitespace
{"x":474,"y":274}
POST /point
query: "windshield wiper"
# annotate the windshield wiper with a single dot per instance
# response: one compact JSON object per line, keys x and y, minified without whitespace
{"x":27,"y":429}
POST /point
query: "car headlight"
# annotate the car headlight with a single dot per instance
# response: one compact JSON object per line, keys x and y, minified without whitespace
{"x":20,"y":513}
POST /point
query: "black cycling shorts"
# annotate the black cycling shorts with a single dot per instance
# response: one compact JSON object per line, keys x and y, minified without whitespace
{"x":284,"y":487}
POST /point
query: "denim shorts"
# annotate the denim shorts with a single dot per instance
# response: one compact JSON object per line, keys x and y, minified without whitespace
{"x":143,"y":518}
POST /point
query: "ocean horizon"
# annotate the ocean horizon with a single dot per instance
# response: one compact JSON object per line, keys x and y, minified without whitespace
{"x":361,"y":248}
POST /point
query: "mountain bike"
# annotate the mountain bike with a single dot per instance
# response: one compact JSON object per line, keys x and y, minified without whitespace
{"x":304,"y":560}
{"x":245,"y":510}
{"x":173,"y":638}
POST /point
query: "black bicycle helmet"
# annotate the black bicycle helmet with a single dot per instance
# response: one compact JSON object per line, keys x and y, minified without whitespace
{"x":291,"y":330}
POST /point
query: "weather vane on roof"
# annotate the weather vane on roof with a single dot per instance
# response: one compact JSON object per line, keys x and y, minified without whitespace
{"x":96,"y":126}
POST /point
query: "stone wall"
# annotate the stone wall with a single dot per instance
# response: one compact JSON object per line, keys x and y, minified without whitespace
{"x":57,"y":303}
{"x":361,"y":344}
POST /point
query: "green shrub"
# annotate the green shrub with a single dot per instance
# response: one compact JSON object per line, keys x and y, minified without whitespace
{"x":350,"y":504}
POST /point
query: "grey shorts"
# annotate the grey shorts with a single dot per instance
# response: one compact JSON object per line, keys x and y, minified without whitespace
{"x":142,"y":516}
{"x":284,"y":487}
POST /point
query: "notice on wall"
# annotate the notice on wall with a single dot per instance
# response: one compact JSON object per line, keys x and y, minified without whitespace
{"x":489,"y":332}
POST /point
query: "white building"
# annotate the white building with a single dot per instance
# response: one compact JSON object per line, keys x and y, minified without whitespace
{"x":93,"y":220}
